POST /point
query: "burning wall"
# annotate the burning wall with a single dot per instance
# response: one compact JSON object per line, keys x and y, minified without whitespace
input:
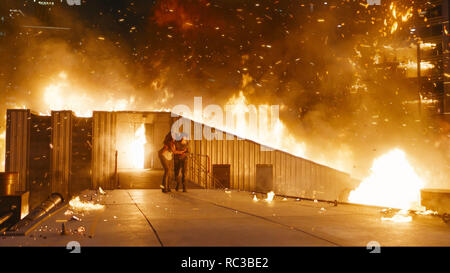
{"x":80,"y":153}
{"x":139,"y":136}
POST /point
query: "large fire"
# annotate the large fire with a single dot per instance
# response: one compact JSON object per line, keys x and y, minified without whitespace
{"x":393,"y":183}
{"x":138,"y":148}
{"x":271,"y":131}
{"x":413,"y":65}
{"x":62,"y":94}
{"x":258,"y":123}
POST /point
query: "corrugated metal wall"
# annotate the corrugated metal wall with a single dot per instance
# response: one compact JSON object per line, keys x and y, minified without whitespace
{"x":40,"y":153}
{"x":61,"y":155}
{"x":293,"y":176}
{"x":17,"y":144}
{"x":40,"y":149}
{"x":81,"y":177}
{"x":104,"y":150}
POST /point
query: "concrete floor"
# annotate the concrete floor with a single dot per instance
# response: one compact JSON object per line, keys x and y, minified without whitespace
{"x":145,"y":179}
{"x":218,"y":218}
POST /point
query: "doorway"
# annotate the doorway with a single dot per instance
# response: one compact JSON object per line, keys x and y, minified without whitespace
{"x":264,"y":178}
{"x":221,"y":173}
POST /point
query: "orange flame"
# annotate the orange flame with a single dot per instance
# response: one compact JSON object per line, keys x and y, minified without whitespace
{"x":393,"y":183}
{"x":137,"y":147}
{"x":62,"y":95}
{"x":77,"y":204}
{"x":270,"y":196}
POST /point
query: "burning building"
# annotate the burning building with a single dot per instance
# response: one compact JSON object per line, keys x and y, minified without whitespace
{"x":349,"y":79}
{"x":335,"y":68}
{"x":431,"y":29}
{"x":66,"y":154}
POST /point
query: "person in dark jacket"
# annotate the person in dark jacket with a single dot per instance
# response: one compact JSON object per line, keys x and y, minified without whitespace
{"x":181,"y":161}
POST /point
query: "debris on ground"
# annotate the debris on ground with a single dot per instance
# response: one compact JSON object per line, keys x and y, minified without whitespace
{"x":81,"y":229}
{"x":399,"y":217}
{"x":75,"y":218}
{"x":77,"y":204}
{"x":68,"y":212}
{"x":101,"y":191}
{"x":426,"y":212}
{"x":63,"y":229}
{"x":388,"y":211}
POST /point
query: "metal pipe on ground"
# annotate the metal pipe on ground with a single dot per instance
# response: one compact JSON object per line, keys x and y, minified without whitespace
{"x":45,"y":207}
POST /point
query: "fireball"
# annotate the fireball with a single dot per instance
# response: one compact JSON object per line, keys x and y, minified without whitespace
{"x":392,"y":182}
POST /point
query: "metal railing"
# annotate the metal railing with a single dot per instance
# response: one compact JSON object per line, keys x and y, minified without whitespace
{"x":201,"y":174}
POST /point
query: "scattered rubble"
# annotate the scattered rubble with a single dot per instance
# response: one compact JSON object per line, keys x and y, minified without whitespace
{"x":81,"y":230}
{"x":75,"y":218}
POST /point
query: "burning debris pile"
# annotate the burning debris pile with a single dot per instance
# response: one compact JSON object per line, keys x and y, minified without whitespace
{"x":78,"y":209}
{"x":78,"y":205}
{"x":269,"y":197}
{"x":393,"y":182}
{"x":339,"y":71}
